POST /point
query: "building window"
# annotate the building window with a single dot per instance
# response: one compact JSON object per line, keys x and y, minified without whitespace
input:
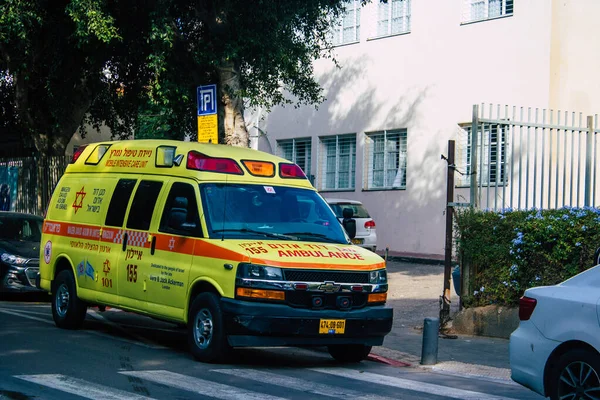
{"x":491,"y":159}
{"x":477,"y":10}
{"x":297,"y":151}
{"x":337,"y":162}
{"x":347,"y":28}
{"x":386,"y":160}
{"x":393,"y":17}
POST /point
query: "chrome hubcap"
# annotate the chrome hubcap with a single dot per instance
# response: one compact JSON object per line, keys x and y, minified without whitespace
{"x":62,"y":300}
{"x":203,"y":328}
{"x":579,"y":381}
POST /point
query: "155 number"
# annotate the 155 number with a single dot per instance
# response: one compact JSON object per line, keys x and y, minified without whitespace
{"x":132,"y":273}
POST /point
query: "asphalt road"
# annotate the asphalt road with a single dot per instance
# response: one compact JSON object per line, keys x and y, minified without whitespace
{"x":119,"y":355}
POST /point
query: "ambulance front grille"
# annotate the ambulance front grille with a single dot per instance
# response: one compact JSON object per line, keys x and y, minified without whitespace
{"x":304,"y":299}
{"x":296,"y":275}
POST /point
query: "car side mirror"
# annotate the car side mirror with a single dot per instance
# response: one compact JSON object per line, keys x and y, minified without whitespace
{"x":349,"y":223}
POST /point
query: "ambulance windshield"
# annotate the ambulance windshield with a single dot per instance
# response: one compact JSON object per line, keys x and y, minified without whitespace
{"x":242,"y":211}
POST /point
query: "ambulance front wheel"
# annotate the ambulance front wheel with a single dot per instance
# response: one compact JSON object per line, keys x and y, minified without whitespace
{"x":349,"y":353}
{"x":206,"y":333}
{"x":67,"y":310}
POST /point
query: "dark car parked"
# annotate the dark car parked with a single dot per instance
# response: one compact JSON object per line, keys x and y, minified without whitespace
{"x":20,"y":236}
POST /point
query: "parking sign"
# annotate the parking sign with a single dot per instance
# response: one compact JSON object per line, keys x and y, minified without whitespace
{"x":207,"y":99}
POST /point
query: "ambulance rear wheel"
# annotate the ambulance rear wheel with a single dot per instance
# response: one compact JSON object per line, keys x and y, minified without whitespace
{"x":67,"y":310}
{"x":349,"y":353}
{"x":206,"y":330}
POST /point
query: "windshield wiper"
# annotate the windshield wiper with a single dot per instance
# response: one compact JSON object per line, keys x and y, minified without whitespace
{"x":312,"y":234}
{"x":246,"y":230}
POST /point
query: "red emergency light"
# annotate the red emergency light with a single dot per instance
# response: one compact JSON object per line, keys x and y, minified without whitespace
{"x":202,"y":162}
{"x":78,"y":152}
{"x":291,"y":171}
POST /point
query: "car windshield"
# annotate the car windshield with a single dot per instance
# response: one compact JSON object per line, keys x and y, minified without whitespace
{"x":20,"y":228}
{"x":359,"y":210}
{"x":244,"y":211}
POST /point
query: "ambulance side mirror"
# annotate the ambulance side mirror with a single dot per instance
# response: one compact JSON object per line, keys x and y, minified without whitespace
{"x":348,"y":222}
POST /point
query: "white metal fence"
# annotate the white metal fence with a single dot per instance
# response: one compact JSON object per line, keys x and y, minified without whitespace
{"x":530,"y":158}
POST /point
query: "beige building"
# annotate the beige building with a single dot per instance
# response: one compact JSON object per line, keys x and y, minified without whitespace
{"x":410,"y":74}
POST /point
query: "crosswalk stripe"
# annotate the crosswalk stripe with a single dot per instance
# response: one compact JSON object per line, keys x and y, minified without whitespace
{"x":416,"y":386}
{"x":200,"y":386}
{"x":297,"y":384}
{"x":81,"y":387}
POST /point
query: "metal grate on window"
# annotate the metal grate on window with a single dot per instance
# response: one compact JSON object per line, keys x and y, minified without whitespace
{"x":386,"y":160}
{"x":393,"y":17}
{"x":297,"y":151}
{"x":337,"y":162}
{"x":492,"y":148}
{"x":478,"y":10}
{"x":347,"y":28}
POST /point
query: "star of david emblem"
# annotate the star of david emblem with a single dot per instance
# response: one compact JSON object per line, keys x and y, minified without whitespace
{"x":79,"y":196}
{"x":171,"y":243}
{"x":106,"y":267}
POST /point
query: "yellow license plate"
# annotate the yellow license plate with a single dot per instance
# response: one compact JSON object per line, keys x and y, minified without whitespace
{"x":332,"y":326}
{"x":357,"y":241}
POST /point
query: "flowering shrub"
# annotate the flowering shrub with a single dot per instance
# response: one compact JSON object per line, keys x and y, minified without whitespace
{"x":511,"y":251}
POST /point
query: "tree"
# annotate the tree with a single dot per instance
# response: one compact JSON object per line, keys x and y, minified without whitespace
{"x":135,"y":64}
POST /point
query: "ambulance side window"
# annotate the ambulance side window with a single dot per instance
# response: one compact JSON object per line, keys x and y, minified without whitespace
{"x":143,"y":204}
{"x":118,"y":202}
{"x":180,"y":215}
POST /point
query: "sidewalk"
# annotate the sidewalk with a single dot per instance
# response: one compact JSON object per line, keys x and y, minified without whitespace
{"x":414,"y":293}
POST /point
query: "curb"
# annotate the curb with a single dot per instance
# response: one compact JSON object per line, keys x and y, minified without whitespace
{"x":388,"y":361}
{"x":413,"y":260}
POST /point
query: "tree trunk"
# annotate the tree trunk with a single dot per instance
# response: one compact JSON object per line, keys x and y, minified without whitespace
{"x":234,"y":127}
{"x":50,"y":134}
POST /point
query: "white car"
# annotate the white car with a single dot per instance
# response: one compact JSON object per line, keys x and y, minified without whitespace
{"x":365,"y":225}
{"x":555,"y":351}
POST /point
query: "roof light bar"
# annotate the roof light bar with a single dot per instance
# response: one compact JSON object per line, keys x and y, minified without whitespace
{"x":78,"y":152}
{"x":260,"y":168}
{"x":292,"y":171}
{"x":202,"y":162}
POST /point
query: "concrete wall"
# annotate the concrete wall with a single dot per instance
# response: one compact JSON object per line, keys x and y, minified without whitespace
{"x":425,"y":81}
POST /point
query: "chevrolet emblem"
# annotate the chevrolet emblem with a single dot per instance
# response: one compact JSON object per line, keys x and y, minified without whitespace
{"x":329,"y":287}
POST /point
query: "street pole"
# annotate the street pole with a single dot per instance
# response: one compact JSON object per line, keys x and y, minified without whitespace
{"x":445,"y":300}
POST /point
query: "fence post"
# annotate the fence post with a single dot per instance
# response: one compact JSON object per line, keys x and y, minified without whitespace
{"x":587,"y":201}
{"x":474,"y":126}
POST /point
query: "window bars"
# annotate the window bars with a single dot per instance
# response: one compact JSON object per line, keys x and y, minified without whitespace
{"x":393,"y":17}
{"x":337,"y":162}
{"x":385,"y":160}
{"x":479,"y":10}
{"x":347,"y":28}
{"x":297,"y":151}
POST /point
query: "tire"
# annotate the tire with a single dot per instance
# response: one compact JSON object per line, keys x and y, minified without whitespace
{"x":206,"y":330}
{"x":67,"y":310}
{"x":349,"y":353}
{"x":566,"y":377}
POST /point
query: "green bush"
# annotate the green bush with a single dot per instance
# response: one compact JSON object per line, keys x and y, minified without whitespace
{"x":511,"y":251}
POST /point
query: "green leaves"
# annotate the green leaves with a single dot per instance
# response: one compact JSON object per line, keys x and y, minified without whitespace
{"x":515,"y":250}
{"x":92,"y":21}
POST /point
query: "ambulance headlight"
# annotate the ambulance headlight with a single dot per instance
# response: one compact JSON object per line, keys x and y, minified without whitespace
{"x":12,"y":259}
{"x":262,"y":272}
{"x":378,"y":277}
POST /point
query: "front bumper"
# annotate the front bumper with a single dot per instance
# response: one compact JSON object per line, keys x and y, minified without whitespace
{"x":253,"y":324}
{"x":16,"y":281}
{"x":529,"y":351}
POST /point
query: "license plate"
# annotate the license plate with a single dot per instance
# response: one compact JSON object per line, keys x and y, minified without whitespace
{"x":332,"y":326}
{"x":357,"y":241}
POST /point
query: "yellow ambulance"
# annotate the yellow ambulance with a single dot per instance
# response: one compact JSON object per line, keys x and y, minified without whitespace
{"x":233,"y":243}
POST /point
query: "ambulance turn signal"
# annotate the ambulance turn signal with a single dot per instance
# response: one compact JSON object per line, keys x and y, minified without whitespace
{"x":377,"y":297}
{"x":260,"y":293}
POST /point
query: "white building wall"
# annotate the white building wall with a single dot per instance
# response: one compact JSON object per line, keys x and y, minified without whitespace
{"x":425,"y":81}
